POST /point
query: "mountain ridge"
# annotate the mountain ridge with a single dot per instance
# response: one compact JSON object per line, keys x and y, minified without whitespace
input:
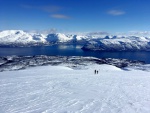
{"x":90,"y":42}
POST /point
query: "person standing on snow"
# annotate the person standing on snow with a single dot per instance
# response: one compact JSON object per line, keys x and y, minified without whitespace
{"x":95,"y":71}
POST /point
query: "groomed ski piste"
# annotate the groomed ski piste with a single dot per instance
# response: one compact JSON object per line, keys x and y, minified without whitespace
{"x":60,"y":89}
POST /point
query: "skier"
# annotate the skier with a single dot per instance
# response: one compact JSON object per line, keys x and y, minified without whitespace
{"x":95,"y":71}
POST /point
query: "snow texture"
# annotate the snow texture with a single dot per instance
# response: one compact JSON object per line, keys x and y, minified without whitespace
{"x":60,"y":89}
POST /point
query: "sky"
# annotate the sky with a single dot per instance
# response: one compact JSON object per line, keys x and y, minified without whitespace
{"x":98,"y":16}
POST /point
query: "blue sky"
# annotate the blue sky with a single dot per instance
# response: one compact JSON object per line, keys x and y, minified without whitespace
{"x":112,"y":16}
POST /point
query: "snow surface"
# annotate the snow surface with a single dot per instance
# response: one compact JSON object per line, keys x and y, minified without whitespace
{"x":59,"y":89}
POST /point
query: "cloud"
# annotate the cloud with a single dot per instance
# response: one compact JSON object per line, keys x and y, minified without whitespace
{"x":48,"y":8}
{"x":60,"y":16}
{"x":139,"y":33}
{"x":48,"y":31}
{"x":51,"y":9}
{"x":134,"y":33}
{"x":116,"y":12}
{"x":98,"y":33}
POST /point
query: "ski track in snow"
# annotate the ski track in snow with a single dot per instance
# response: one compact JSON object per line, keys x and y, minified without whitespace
{"x":58,"y":89}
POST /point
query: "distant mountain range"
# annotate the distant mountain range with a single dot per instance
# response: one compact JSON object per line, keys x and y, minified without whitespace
{"x":116,"y":43}
{"x":91,"y":42}
{"x":21,"y":38}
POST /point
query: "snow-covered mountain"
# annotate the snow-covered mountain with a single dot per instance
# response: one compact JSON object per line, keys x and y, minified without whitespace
{"x":90,"y":42}
{"x":22,"y":38}
{"x":62,"y":38}
{"x":119,"y":43}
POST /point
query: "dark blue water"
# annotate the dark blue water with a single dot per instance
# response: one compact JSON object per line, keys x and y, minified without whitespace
{"x":72,"y":50}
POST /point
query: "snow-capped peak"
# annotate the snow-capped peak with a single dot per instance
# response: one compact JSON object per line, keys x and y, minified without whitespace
{"x":20,"y":37}
{"x":10,"y":32}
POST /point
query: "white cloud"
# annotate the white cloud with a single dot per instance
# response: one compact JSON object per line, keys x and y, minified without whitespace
{"x":51,"y":9}
{"x":140,"y":33}
{"x":98,"y":33}
{"x":134,"y":33}
{"x":48,"y":8}
{"x":48,"y":31}
{"x":116,"y":12}
{"x":60,"y":16}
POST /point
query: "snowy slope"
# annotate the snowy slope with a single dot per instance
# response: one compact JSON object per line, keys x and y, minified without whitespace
{"x":59,"y":89}
{"x":130,"y":43}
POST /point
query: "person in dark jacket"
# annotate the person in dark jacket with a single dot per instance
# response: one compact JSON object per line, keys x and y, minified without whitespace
{"x":95,"y":71}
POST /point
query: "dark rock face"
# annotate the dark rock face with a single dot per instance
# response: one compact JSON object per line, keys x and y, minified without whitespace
{"x":21,"y":62}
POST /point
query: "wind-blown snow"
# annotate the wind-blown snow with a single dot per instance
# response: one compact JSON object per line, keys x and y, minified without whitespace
{"x":59,"y":89}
